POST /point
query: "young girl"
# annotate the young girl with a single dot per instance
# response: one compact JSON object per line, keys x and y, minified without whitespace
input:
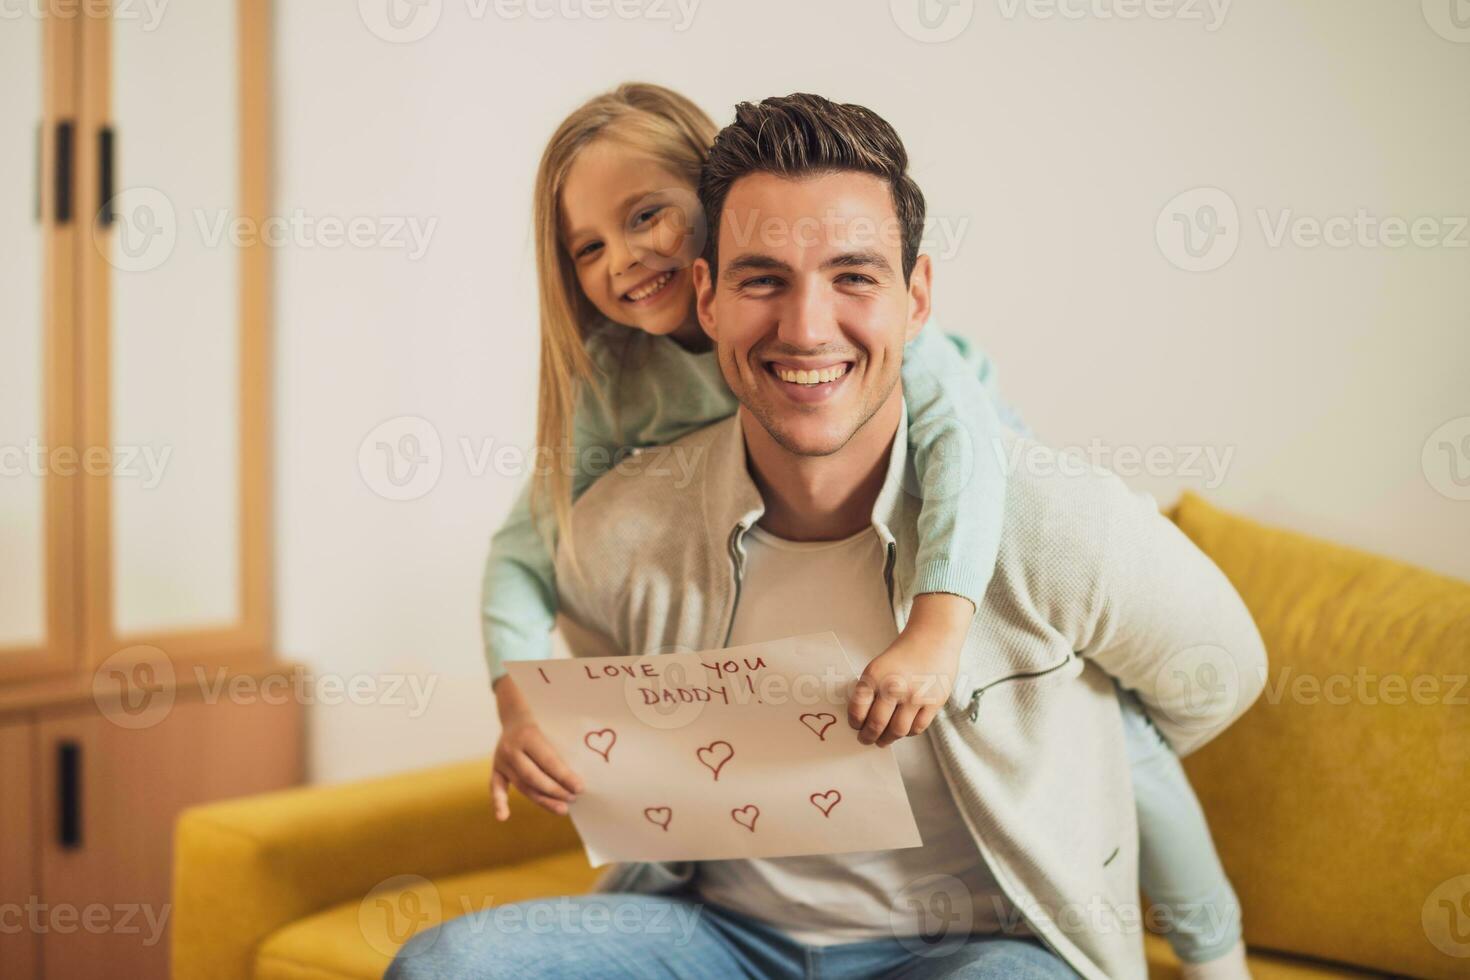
{"x":624,"y":363}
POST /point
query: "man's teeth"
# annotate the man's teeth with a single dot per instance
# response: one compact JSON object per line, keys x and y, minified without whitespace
{"x":821,"y":376}
{"x":643,"y":292}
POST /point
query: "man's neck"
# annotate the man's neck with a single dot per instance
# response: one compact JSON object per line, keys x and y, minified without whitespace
{"x":822,"y":498}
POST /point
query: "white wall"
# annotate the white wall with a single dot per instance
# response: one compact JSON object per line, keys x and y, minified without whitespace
{"x":1056,"y":143}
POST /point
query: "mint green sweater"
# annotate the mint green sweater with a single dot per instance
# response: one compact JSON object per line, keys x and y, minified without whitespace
{"x":650,"y":391}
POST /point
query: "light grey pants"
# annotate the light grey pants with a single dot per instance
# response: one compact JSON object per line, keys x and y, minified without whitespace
{"x":1178,"y":868}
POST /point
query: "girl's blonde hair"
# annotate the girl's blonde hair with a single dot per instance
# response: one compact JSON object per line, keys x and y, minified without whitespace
{"x":672,"y":131}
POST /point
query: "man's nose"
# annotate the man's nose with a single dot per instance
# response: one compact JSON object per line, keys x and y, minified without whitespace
{"x":809,"y":320}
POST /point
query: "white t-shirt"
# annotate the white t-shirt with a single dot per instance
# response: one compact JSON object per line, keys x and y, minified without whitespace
{"x":791,"y":588}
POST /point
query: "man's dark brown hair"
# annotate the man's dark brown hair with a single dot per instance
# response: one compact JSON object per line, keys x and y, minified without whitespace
{"x":804,"y":135}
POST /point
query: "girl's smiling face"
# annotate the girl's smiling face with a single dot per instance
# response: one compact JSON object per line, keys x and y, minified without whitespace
{"x":632,"y":229}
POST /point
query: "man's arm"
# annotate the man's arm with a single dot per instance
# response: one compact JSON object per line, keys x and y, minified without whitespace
{"x":1169,"y":625}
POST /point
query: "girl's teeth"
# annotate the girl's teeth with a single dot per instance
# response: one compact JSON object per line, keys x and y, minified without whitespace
{"x":821,"y":376}
{"x":643,"y":292}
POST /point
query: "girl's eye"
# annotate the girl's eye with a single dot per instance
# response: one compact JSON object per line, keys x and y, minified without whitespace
{"x":646,"y":215}
{"x":588,"y":249}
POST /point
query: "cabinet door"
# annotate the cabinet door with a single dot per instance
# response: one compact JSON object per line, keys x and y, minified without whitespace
{"x":109,"y":796}
{"x":38,"y":233}
{"x":173,"y":331}
{"x":19,"y":948}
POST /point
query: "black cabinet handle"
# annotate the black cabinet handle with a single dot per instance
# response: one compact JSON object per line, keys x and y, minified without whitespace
{"x":63,"y":171}
{"x":104,"y":174}
{"x":69,"y":795}
{"x":36,"y":172}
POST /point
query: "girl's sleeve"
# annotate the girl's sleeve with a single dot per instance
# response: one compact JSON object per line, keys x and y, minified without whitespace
{"x":953,"y":424}
{"x":518,"y":599}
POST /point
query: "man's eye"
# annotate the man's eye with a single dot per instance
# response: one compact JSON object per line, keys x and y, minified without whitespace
{"x":857,"y":278}
{"x":760,"y":282}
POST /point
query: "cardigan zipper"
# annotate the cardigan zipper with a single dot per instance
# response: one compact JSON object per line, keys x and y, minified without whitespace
{"x":944,"y":769}
{"x":737,"y":574}
{"x":974,"y":710}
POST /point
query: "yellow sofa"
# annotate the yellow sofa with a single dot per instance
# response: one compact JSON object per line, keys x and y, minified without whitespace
{"x":1340,"y":803}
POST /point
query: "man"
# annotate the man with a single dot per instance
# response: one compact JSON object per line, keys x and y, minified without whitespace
{"x":798,"y":521}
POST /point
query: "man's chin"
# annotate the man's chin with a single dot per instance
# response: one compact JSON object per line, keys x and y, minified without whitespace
{"x":808,"y":437}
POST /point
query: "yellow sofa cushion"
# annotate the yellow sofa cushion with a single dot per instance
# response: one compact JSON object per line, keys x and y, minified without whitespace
{"x":1340,"y":803}
{"x":246,"y":868}
{"x":358,"y":939}
{"x":1164,"y":965}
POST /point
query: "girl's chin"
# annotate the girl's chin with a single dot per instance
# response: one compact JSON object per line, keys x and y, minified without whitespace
{"x":660,"y":323}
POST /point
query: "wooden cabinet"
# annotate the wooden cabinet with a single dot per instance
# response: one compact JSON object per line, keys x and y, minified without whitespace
{"x":134,"y":418}
{"x":134,"y":465}
{"x":91,"y":794}
{"x":19,"y":944}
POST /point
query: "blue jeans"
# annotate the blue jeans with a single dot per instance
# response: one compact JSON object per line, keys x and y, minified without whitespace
{"x":643,"y":936}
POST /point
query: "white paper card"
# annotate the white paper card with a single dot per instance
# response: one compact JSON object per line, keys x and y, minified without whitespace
{"x":741,"y":752}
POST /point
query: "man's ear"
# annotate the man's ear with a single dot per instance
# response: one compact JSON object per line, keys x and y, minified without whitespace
{"x":921,"y":281}
{"x":704,"y":298}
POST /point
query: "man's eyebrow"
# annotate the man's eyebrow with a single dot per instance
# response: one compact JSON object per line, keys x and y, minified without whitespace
{"x":754,"y":262}
{"x":862,"y":257}
{"x":758,"y":262}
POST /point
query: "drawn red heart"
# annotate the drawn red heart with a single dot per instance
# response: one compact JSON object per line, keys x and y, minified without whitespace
{"x":831,"y":798}
{"x":659,"y":815}
{"x":723,"y":756}
{"x":749,"y":810}
{"x":826,"y":720}
{"x":601,"y":741}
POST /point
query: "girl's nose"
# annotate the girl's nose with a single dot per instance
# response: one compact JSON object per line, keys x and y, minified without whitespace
{"x":622,"y":258}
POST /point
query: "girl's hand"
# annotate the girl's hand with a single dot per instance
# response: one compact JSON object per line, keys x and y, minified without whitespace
{"x":525,"y":759}
{"x":905,"y":686}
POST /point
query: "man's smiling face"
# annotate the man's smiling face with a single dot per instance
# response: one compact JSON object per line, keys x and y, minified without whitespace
{"x":809,"y":308}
